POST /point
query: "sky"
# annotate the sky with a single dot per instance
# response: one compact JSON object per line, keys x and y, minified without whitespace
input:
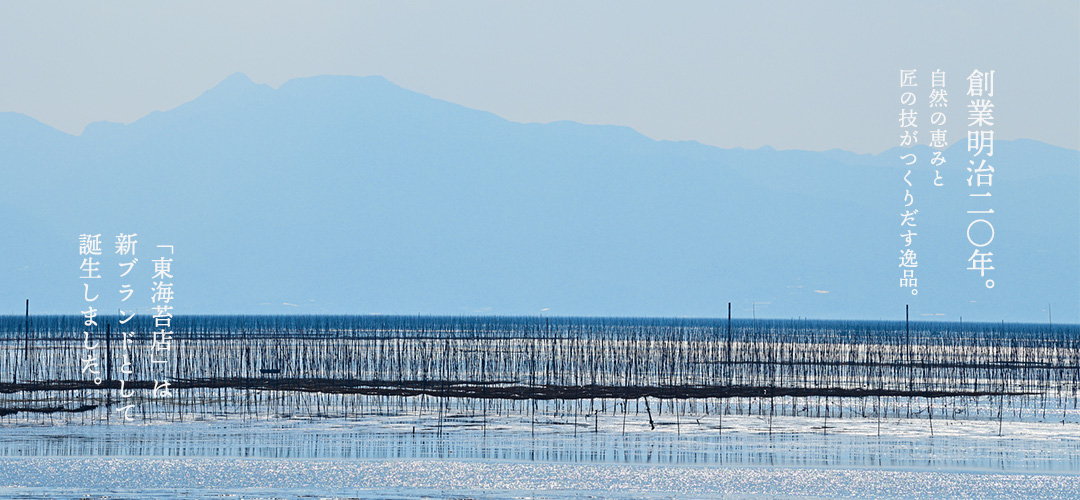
{"x":791,"y":75}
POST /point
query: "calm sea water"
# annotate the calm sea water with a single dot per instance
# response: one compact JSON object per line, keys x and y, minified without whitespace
{"x":426,"y":447}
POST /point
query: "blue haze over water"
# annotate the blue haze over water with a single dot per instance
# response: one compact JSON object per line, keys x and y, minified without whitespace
{"x":334,"y":195}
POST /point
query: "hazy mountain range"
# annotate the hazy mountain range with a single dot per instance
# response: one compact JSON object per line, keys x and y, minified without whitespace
{"x":352,"y":195}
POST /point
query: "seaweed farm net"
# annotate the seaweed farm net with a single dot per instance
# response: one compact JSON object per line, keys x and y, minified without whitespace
{"x":255,"y":367}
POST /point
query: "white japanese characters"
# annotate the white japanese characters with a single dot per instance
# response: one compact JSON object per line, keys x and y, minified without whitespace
{"x":980,"y":143}
{"x":160,"y":342}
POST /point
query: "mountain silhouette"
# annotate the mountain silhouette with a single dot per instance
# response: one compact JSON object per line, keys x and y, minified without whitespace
{"x":340,"y":194}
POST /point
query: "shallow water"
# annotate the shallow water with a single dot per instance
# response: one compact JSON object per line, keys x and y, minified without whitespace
{"x":464,"y":456}
{"x":372,"y":479}
{"x":239,"y":443}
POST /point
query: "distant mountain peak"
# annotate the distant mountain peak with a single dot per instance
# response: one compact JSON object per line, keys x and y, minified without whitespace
{"x":234,"y":85}
{"x":237,"y":79}
{"x":368,"y":197}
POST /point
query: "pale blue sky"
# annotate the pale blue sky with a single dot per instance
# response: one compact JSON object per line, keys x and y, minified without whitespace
{"x":807,"y":75}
